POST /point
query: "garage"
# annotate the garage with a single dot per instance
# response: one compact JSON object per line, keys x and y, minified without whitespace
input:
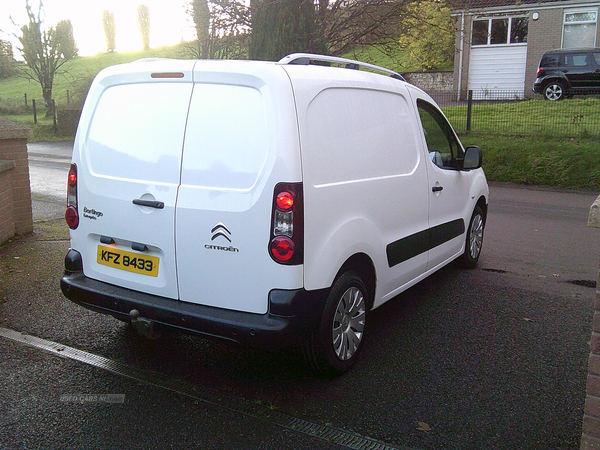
{"x":497,"y":72}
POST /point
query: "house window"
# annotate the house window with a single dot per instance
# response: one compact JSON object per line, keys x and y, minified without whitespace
{"x":480,"y":32}
{"x":499,"y":31}
{"x":579,"y":28}
{"x":506,"y":30}
{"x":518,"y":30}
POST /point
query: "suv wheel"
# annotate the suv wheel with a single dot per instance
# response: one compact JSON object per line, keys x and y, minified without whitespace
{"x":335,"y":346}
{"x":554,"y":90}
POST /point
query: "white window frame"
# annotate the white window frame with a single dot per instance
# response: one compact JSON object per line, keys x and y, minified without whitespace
{"x":582,"y":22}
{"x":489,"y":32}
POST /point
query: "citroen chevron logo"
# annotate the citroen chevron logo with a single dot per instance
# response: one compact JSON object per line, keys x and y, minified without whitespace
{"x":220,"y":229}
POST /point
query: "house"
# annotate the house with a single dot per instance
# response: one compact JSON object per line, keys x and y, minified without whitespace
{"x":500,"y":42}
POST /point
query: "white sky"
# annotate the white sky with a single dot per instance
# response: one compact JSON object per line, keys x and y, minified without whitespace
{"x":169,"y":22}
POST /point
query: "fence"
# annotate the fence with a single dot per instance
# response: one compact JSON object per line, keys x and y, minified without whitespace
{"x":21,"y":109}
{"x":506,"y":113}
{"x":509,"y":113}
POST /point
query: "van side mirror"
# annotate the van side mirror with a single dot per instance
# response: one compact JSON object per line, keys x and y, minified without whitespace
{"x":473,"y":158}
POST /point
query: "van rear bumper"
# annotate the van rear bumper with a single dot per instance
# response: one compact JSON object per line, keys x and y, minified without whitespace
{"x":292,"y":314}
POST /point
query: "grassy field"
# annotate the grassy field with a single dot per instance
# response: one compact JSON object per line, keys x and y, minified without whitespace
{"x":572,"y":163}
{"x":80,"y":73}
{"x":529,"y":142}
{"x":536,"y":142}
{"x":573,"y":117}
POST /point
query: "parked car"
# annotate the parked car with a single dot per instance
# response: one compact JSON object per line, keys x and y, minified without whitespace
{"x":564,"y":73}
{"x":265,"y":203}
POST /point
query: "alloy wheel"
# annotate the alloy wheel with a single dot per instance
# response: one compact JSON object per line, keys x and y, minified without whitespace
{"x":349,"y":323}
{"x":476,"y":236}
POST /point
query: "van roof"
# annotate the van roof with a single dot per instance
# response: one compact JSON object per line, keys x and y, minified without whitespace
{"x":308,"y":58}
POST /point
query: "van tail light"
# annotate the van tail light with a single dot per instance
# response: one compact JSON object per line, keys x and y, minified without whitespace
{"x":539,"y":72}
{"x":72,"y":214}
{"x":286,"y":245}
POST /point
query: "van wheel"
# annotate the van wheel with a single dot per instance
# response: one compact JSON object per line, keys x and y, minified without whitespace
{"x":335,"y":346}
{"x":554,"y":90}
{"x":469,"y":258}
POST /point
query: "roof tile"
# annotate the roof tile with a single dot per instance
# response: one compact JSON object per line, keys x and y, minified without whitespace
{"x":461,"y":4}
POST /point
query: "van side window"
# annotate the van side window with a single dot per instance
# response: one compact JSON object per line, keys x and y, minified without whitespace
{"x":444,"y":149}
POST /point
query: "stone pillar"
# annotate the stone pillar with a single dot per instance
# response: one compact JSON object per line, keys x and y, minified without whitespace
{"x":590,"y":438}
{"x":15,"y":191}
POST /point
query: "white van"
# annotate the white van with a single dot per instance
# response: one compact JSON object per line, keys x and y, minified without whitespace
{"x":265,"y":203}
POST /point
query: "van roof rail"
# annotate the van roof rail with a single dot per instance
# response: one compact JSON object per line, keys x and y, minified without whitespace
{"x":145,"y":60}
{"x":306,"y":58}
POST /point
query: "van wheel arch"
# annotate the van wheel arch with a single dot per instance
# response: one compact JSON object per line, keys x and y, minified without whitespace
{"x":482,"y":203}
{"x":365,"y":269}
{"x":334,"y":346}
{"x":356,"y":278}
{"x":474,"y":237}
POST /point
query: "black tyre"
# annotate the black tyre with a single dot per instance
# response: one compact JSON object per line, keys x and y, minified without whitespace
{"x":555,"y":91}
{"x":335,"y":346}
{"x":474,"y":241}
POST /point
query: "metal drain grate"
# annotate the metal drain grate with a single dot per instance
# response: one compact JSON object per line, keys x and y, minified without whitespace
{"x":213,"y":397}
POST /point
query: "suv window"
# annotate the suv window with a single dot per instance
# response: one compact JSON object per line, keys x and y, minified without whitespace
{"x":442,"y":144}
{"x":576,"y":59}
{"x":551,"y":60}
{"x":597,"y":57}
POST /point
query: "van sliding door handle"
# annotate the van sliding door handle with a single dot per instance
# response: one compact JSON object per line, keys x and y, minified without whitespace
{"x":149,"y":203}
{"x":437,"y":188}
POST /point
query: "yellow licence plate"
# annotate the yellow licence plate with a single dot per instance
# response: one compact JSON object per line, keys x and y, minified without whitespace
{"x":132,"y":262}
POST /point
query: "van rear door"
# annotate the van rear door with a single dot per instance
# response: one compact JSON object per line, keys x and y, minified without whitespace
{"x":128,"y":155}
{"x":241,"y":140}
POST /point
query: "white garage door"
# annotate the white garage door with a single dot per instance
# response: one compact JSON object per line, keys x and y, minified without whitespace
{"x":497,"y":72}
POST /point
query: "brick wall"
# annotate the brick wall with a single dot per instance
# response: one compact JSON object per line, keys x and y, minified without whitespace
{"x":431,"y":81}
{"x":545,"y":34}
{"x":464,"y":24}
{"x":15,"y":191}
{"x":67,"y":119}
{"x":590,"y":438}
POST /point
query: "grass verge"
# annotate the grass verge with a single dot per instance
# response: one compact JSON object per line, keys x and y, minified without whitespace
{"x":540,"y":160}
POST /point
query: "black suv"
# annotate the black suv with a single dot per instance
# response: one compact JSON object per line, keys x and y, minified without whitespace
{"x":564,"y":73}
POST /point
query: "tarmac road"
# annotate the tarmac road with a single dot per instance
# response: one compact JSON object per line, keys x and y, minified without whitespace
{"x":49,"y":164}
{"x":492,"y":358}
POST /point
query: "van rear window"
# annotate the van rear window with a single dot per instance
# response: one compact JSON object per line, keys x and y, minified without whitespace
{"x":137,"y":132}
{"x":226,"y":142}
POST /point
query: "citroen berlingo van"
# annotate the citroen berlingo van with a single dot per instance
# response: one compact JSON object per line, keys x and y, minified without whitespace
{"x":267,"y":203}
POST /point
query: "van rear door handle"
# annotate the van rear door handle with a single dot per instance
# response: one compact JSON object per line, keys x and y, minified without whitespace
{"x":150,"y":203}
{"x":436,"y":188}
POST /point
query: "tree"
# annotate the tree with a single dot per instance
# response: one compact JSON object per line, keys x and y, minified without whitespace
{"x":429,"y":35}
{"x":222,"y":29}
{"x":277,"y":27}
{"x":333,"y":27}
{"x":201,"y":17}
{"x":144,"y":25}
{"x":46,"y":51}
{"x":355,"y":23}
{"x":110,"y":30}
{"x":283,"y":27}
{"x":8,"y":65}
